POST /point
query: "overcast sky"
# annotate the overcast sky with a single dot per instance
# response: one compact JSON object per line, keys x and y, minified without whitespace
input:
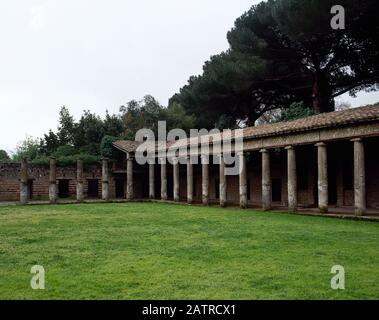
{"x":97,"y":55}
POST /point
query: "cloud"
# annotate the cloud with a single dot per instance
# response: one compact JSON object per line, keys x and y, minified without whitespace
{"x":38,"y":17}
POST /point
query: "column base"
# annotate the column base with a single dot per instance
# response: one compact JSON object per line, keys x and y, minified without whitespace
{"x":359,"y":211}
{"x":323,"y":209}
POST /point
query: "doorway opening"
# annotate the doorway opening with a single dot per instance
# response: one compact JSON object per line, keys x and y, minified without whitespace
{"x":276,"y":190}
{"x":93,"y":188}
{"x":63,"y":188}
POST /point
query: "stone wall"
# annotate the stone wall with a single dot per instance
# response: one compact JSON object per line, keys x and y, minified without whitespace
{"x":39,"y":180}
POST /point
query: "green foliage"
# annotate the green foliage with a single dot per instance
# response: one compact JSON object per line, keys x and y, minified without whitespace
{"x":4,"y":157}
{"x":66,"y":128}
{"x":87,"y":159}
{"x":296,"y":110}
{"x":83,"y":136}
{"x":29,"y":148}
{"x":106,"y":146}
{"x":285,"y":51}
{"x":49,"y":143}
{"x":64,"y":151}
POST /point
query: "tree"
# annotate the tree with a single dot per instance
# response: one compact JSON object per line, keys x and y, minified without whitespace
{"x":28,"y":148}
{"x":49,"y":143}
{"x":66,"y":127}
{"x":141,"y":114}
{"x":295,"y":111}
{"x":285,"y":51}
{"x":4,"y":156}
{"x":88,"y":133}
{"x":106,"y":146}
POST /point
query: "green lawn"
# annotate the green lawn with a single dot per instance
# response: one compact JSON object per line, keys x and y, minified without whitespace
{"x":163,"y":251}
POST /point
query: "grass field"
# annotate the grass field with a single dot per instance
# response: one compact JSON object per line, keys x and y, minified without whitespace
{"x":163,"y":251}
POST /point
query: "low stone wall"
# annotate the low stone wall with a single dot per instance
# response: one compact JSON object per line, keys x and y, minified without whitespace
{"x":39,"y":180}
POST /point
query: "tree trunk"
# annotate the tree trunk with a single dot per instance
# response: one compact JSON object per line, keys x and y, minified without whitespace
{"x":322,"y":101}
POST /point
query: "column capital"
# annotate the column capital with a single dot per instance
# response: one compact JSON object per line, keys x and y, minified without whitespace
{"x":104,"y":159}
{"x":357,"y":140}
{"x":130,"y":157}
{"x":264,"y":151}
{"x":320,"y":144}
{"x":289,"y":148}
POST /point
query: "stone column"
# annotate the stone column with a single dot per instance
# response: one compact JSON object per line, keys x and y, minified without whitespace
{"x":163,"y":179}
{"x":205,"y":179}
{"x":176,"y":179}
{"x":189,"y":180}
{"x":359,"y":177}
{"x":24,"y":192}
{"x":292,"y":179}
{"x":151,"y":181}
{"x":105,"y":181}
{"x":53,"y":180}
{"x":79,"y":182}
{"x":266,"y":180}
{"x":322,"y":160}
{"x":129,"y":178}
{"x":242,"y":180}
{"x":222,"y":182}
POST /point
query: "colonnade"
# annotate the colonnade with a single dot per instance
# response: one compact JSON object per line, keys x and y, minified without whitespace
{"x":322,"y":164}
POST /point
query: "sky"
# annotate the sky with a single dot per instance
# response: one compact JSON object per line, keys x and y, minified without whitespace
{"x":98,"y":55}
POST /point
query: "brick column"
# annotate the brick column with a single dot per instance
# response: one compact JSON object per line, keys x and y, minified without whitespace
{"x":242,"y":180}
{"x":292,"y":179}
{"x":322,"y":160}
{"x":205,"y":179}
{"x":129,"y":178}
{"x":223,"y":185}
{"x":176,"y":179}
{"x":151,"y":181}
{"x":105,"y":180}
{"x":266,"y":180}
{"x":79,"y":182}
{"x":24,"y":192}
{"x":163,"y":179}
{"x":359,"y":177}
{"x":53,"y":181}
{"x":189,"y":180}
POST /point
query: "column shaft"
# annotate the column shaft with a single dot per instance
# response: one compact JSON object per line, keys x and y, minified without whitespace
{"x":223,"y":185}
{"x":24,"y":190}
{"x":129,"y":179}
{"x":292,"y":179}
{"x":189,"y":181}
{"x":359,"y":178}
{"x":242,"y":180}
{"x":322,"y":161}
{"x":205,"y":179}
{"x":105,"y":180}
{"x":266,"y":180}
{"x":163,"y":180}
{"x":53,"y":181}
{"x":176,"y":180}
{"x":79,"y":182}
{"x":151,"y":181}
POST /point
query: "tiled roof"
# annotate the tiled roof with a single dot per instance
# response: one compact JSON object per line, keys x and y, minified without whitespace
{"x":324,"y":120}
{"x":126,"y":145}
